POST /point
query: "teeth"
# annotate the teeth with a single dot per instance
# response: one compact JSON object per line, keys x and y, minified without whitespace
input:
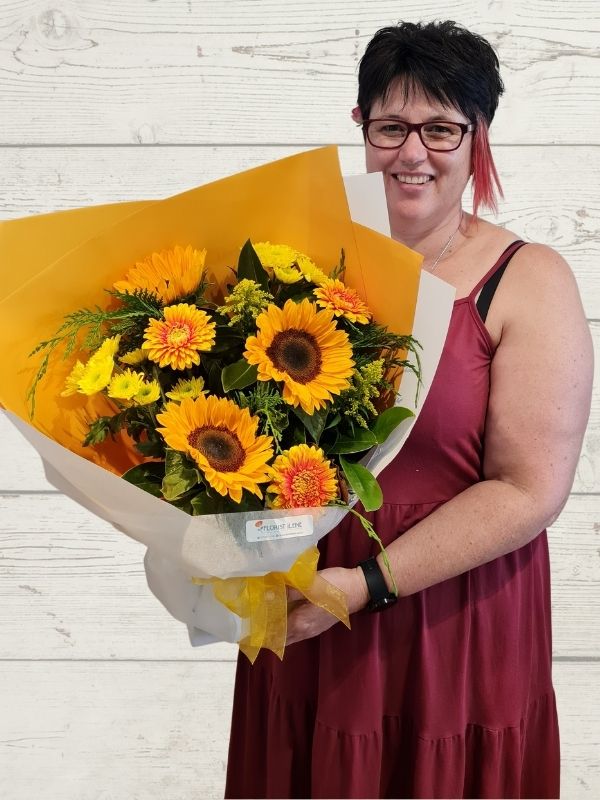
{"x":412,"y":178}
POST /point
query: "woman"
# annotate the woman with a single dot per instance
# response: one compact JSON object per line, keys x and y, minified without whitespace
{"x":448,"y":691}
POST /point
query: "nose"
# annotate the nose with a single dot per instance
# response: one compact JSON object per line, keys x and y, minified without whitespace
{"x":413,"y":151}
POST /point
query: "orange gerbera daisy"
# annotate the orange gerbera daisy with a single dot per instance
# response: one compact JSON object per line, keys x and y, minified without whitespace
{"x":302,"y":477}
{"x":342,"y":300}
{"x":301,"y":346}
{"x":221,"y":438}
{"x":175,"y":340}
{"x":169,"y":274}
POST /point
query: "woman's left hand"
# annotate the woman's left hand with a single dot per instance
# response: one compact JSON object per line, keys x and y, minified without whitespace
{"x":306,"y":620}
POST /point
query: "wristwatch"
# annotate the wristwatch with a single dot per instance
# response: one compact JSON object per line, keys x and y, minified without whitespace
{"x":380,"y":595}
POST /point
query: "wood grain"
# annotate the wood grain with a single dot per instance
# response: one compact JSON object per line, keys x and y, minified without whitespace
{"x":94,"y":730}
{"x":278,"y":72}
{"x":551,"y":194}
{"x":73,"y":587}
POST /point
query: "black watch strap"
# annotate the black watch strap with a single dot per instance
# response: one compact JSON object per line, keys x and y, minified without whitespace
{"x":380,"y":595}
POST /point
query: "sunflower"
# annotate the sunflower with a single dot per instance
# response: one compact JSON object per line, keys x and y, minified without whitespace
{"x":191,"y":388}
{"x":343,"y":301}
{"x":221,"y":438}
{"x":302,"y":477}
{"x":175,"y":340}
{"x":149,"y":393}
{"x":301,"y":346}
{"x":125,"y":385}
{"x":169,"y":274}
{"x":96,"y":374}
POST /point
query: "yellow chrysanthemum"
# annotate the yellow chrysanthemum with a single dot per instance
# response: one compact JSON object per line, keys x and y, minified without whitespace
{"x":288,"y":265}
{"x":191,"y":389}
{"x":134,"y":357}
{"x":176,"y":340}
{"x":169,"y":274}
{"x":221,"y":438}
{"x":343,"y":301}
{"x":109,"y":347}
{"x":309,"y":270}
{"x":96,"y":375}
{"x":72,"y":381}
{"x":148,"y":393}
{"x":302,"y":476}
{"x":301,"y":346}
{"x":125,"y":385}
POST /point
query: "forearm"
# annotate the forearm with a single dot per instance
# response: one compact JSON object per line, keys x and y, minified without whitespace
{"x":487,"y":520}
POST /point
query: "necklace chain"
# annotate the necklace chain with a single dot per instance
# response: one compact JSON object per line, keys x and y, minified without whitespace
{"x":447,"y":245}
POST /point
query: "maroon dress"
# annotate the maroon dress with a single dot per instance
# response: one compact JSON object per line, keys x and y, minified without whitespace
{"x":448,"y":693}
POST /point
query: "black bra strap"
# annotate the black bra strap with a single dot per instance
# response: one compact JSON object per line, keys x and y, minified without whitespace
{"x":489,"y":287}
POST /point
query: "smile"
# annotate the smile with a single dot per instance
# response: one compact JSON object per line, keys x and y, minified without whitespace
{"x":413,"y":179}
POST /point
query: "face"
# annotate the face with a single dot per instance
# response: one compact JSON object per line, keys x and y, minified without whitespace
{"x":449,"y":172}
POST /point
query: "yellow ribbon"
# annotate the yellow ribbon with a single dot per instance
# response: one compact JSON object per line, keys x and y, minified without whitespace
{"x":263,"y":601}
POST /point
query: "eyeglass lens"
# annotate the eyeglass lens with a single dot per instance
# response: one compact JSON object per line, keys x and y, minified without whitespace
{"x":436,"y":135}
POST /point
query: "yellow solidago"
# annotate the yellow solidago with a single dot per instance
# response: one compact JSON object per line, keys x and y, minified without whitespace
{"x":356,"y":401}
{"x":126,"y":385}
{"x":192,"y":388}
{"x":246,"y":300}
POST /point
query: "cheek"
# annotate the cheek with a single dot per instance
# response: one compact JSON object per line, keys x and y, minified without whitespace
{"x":377,"y":160}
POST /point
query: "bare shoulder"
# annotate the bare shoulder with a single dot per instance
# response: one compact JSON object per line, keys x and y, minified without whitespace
{"x":539,"y":282}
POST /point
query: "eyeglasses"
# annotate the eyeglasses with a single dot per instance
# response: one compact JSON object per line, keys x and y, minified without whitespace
{"x":389,"y":134}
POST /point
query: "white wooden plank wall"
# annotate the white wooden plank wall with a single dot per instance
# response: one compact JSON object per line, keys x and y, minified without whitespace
{"x":101,"y":696}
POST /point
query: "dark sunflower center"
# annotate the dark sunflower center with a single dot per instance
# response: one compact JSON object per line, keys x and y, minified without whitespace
{"x":221,"y":448}
{"x":297,"y":353}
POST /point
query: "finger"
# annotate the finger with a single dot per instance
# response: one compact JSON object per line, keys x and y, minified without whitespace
{"x":294,"y":594}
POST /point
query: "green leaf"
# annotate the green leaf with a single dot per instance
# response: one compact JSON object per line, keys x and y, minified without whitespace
{"x":179,"y":476}
{"x":203,"y":503}
{"x":238,"y":375}
{"x":98,"y":431}
{"x":147,"y":477}
{"x":388,"y":421}
{"x":364,"y":484}
{"x":151,"y":449}
{"x":362,"y":440}
{"x":249,"y":266}
{"x":314,"y":423}
{"x":335,"y":420}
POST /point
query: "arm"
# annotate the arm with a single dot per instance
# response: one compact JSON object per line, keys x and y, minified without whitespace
{"x":540,"y":393}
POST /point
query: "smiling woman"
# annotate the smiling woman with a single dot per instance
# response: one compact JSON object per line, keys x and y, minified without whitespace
{"x":448,"y":692}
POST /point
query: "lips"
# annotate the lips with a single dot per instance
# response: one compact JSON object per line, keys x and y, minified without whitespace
{"x":412,"y":179}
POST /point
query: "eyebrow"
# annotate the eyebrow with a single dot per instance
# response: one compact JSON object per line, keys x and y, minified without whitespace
{"x":433,"y":118}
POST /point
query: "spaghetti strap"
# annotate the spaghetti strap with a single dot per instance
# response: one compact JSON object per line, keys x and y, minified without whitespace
{"x":503,"y":260}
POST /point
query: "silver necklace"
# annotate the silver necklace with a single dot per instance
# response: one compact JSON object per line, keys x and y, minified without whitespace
{"x":447,"y":245}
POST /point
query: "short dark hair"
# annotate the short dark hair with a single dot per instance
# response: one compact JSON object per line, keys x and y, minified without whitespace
{"x":446,"y":61}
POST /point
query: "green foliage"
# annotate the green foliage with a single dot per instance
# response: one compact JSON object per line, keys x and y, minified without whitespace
{"x":388,"y":421}
{"x":315,"y":423}
{"x":266,"y":402}
{"x":181,"y":475}
{"x":249,"y":267}
{"x":363,"y":483}
{"x":239,"y":375}
{"x":147,"y":477}
{"x":357,"y":442}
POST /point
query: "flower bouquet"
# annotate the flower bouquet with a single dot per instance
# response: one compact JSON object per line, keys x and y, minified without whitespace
{"x":225,"y":403}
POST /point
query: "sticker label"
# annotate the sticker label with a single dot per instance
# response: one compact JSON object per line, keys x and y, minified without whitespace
{"x":265,"y":530}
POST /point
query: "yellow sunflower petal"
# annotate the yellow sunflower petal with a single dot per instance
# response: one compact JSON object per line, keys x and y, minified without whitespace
{"x":302,"y":347}
{"x":222,"y":440}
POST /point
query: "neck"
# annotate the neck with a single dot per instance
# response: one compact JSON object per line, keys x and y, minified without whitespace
{"x":429,"y":238}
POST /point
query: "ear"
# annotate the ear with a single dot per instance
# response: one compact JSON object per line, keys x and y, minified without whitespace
{"x":356,"y":114}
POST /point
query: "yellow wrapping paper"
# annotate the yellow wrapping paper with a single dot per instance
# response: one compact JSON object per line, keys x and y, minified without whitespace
{"x":262,"y":601}
{"x":57,"y":263}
